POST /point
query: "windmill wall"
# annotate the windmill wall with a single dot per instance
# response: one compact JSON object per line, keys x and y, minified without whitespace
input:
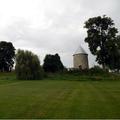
{"x":80,"y":61}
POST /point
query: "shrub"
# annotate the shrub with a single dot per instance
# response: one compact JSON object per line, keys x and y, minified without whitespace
{"x":97,"y":70}
{"x":52,"y":63}
{"x":28,"y":66}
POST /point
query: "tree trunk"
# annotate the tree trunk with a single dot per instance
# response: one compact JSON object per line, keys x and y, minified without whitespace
{"x":103,"y":66}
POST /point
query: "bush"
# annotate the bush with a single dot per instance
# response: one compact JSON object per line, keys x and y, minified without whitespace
{"x":52,"y":63}
{"x":28,"y":66}
{"x":97,"y":70}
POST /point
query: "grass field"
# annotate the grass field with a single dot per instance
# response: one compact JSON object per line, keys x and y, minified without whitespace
{"x":59,"y":96}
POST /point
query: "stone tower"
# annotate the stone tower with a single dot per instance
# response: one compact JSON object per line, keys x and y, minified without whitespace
{"x":80,"y":59}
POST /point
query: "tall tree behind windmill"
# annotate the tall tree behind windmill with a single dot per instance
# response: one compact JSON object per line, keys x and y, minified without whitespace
{"x":101,"y":39}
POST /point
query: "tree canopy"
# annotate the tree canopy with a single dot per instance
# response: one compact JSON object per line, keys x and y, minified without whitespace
{"x":28,"y":66}
{"x":52,"y":63}
{"x":102,"y":40}
{"x":7,"y":56}
{"x":114,"y":58}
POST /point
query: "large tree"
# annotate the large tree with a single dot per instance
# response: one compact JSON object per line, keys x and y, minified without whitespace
{"x":101,"y":39}
{"x":52,"y":63}
{"x":28,"y":66}
{"x":7,"y":55}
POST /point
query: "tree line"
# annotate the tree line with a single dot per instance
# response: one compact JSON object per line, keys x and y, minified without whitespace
{"x":102,"y":38}
{"x":27,"y":65}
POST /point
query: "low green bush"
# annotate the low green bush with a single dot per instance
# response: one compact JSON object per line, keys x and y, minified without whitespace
{"x":96,"y":70}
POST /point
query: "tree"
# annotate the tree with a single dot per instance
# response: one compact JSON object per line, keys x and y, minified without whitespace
{"x":114,"y":58}
{"x":52,"y":63}
{"x":7,"y":56}
{"x":101,"y":39}
{"x":28,"y":66}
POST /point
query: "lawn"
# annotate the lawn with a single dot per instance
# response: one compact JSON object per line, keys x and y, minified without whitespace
{"x":59,"y":98}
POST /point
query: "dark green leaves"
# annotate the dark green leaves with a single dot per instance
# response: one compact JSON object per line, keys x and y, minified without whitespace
{"x":102,"y":40}
{"x":7,"y":55}
{"x":52,"y":63}
{"x":28,"y":66}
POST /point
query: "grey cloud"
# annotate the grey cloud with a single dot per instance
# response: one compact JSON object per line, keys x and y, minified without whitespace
{"x":63,"y":30}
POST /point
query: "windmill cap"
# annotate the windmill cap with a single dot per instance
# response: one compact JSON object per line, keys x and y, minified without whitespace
{"x":80,"y":50}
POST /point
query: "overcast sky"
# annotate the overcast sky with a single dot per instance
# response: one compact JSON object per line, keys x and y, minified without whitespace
{"x":52,"y":26}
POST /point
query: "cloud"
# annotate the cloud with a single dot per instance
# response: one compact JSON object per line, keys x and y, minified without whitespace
{"x":52,"y":26}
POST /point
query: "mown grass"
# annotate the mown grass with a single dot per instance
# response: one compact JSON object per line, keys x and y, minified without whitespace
{"x":60,"y":96}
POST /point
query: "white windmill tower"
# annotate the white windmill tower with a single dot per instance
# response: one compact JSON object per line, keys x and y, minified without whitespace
{"x":80,"y":59}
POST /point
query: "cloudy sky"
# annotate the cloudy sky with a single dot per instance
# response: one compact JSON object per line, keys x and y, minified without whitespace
{"x":52,"y":26}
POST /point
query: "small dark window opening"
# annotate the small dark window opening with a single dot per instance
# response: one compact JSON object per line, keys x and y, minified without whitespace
{"x":80,"y":67}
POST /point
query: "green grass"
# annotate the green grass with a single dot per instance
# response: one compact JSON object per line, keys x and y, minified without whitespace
{"x":60,"y":96}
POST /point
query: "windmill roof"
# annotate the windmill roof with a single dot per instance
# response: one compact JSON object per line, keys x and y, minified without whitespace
{"x":80,"y":50}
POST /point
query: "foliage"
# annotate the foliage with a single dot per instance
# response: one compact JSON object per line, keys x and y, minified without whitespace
{"x":28,"y":66}
{"x":52,"y":63}
{"x":7,"y":55}
{"x":114,"y":62}
{"x":94,"y":71}
{"x":101,"y":38}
